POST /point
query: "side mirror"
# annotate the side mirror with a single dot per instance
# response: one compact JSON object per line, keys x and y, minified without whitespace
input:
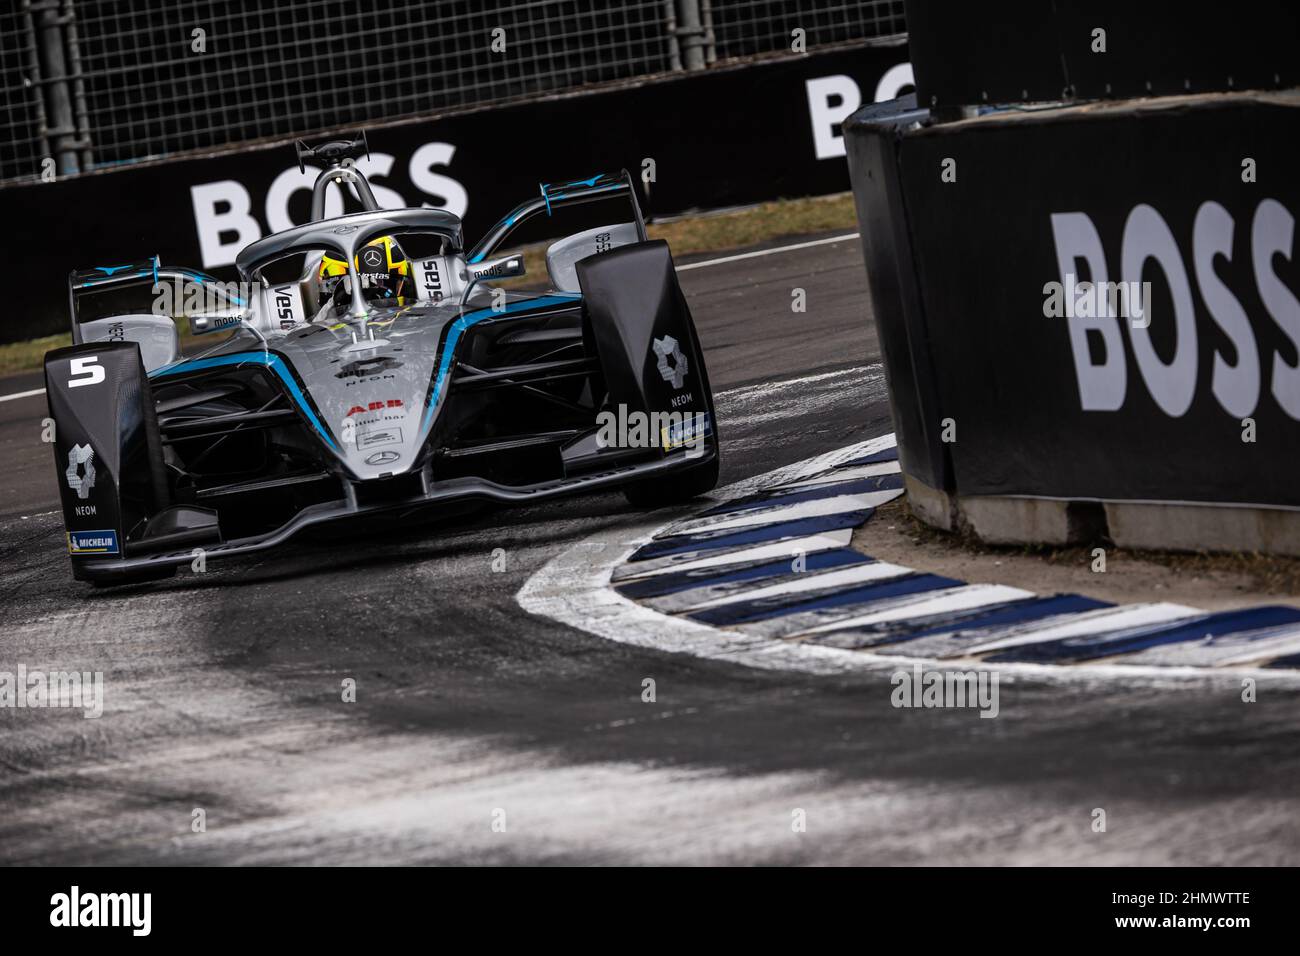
{"x":215,"y":320}
{"x":504,"y":268}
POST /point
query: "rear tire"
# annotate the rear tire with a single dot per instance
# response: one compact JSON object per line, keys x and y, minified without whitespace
{"x":677,"y":486}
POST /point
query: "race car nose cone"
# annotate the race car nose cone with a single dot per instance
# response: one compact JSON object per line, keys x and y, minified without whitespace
{"x":363,"y":345}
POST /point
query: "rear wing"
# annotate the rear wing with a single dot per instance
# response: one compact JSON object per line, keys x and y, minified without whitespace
{"x":556,"y":196}
{"x":120,"y":281}
{"x":98,"y":275}
{"x":136,"y":289}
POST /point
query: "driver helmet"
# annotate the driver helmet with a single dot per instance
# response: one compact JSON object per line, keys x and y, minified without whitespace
{"x":381,"y":266}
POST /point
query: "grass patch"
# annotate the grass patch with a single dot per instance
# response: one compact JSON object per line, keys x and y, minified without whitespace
{"x":30,"y":355}
{"x":716,"y":232}
{"x":703,"y":232}
{"x":749,"y":227}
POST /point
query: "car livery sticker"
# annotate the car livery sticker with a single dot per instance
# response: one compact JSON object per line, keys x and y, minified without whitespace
{"x":92,"y":542}
{"x":692,"y":428}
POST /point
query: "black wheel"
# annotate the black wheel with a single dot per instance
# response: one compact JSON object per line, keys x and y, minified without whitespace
{"x":676,"y":487}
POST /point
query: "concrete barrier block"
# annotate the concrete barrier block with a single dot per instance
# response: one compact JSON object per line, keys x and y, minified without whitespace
{"x":1184,"y":527}
{"x":930,"y":505}
{"x":998,"y":520}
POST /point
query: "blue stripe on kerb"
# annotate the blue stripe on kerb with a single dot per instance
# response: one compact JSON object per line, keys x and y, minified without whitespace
{"x":939,"y":633}
{"x":1128,"y":640}
{"x":780,"y":605}
{"x":964,"y":627}
{"x":719,"y":575}
{"x":717,"y":540}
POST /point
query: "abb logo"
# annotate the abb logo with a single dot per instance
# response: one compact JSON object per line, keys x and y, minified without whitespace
{"x":373,"y":407}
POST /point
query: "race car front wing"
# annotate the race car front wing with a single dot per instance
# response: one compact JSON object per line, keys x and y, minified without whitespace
{"x":103,"y":570}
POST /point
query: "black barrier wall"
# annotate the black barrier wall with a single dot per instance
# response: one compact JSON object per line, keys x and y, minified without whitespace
{"x":1013,"y":51}
{"x":1013,"y":222}
{"x":725,"y":137}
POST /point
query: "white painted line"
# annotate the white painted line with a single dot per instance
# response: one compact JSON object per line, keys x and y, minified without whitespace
{"x":764,"y":389}
{"x":778,"y":513}
{"x":1098,"y":622}
{"x":768,"y":252}
{"x":726,"y":393}
{"x":764,"y":552}
{"x":927,"y":603}
{"x":739,"y":391}
{"x":840,"y":577}
{"x":17,"y":395}
{"x":692,"y":265}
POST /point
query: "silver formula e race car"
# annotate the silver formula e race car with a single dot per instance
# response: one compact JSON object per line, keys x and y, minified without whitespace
{"x":372,"y":368}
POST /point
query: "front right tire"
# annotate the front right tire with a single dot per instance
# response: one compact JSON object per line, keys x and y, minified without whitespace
{"x":677,"y":486}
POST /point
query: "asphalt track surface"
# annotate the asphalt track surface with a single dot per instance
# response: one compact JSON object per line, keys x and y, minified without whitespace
{"x":223,"y":690}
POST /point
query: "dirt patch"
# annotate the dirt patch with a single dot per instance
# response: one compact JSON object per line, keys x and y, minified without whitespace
{"x":1210,"y":581}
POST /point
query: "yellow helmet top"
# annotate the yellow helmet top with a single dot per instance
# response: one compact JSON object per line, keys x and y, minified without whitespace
{"x":380,"y":263}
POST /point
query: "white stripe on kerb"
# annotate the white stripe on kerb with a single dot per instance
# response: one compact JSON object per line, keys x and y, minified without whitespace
{"x":851,"y":473}
{"x":1093,"y":622}
{"x":781,"y":513}
{"x":1265,"y":648}
{"x":840,"y":577}
{"x":928,"y":603}
{"x":765,"y":552}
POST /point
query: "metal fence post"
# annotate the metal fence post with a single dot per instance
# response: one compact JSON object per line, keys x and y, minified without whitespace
{"x":61,"y":131}
{"x":78,"y":85}
{"x":670,"y":24}
{"x":710,"y":41}
{"x":690,"y":32}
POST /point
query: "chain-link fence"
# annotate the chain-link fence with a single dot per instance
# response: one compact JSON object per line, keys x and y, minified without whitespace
{"x":94,"y":83}
{"x":759,"y":27}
